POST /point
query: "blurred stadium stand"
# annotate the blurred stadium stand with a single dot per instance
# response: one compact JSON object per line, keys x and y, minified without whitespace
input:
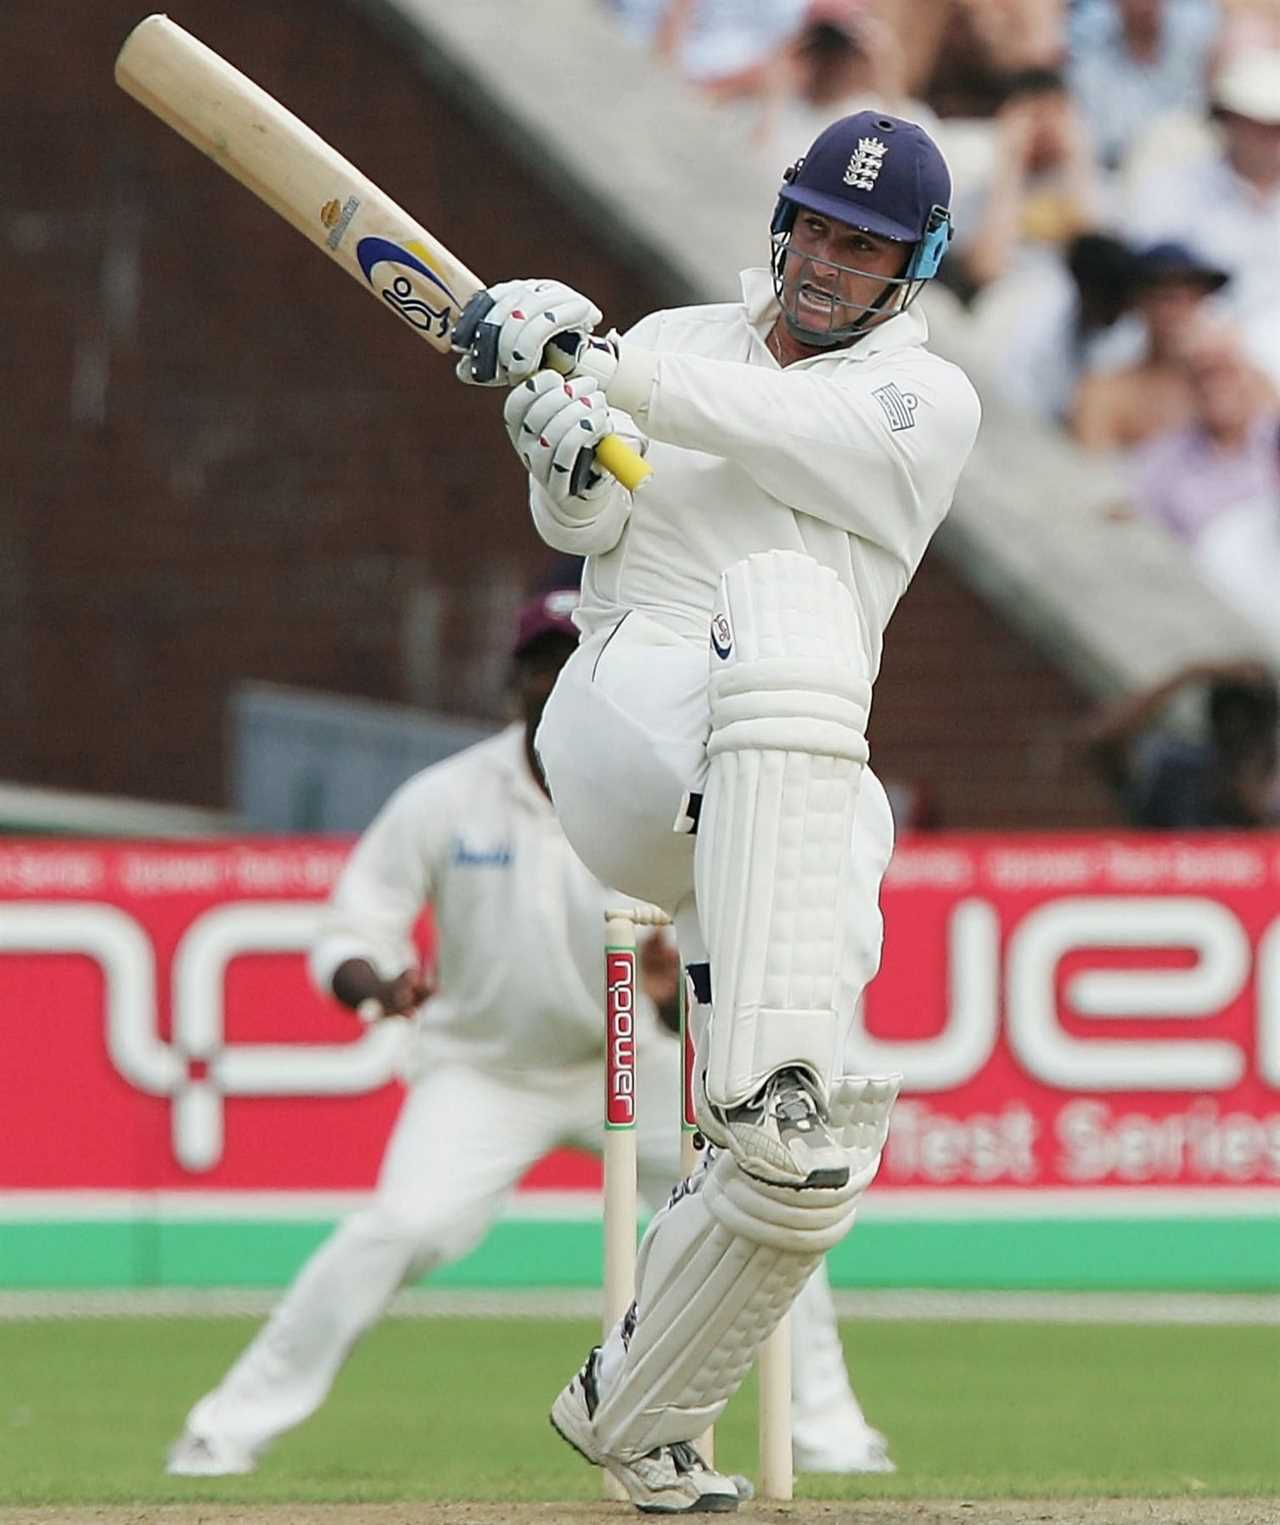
{"x":225,"y":469}
{"x":310,"y":762}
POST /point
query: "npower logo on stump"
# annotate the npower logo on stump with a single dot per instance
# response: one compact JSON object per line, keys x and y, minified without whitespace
{"x":1067,"y":1012}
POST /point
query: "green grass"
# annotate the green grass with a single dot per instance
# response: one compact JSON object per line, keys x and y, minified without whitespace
{"x":457,"y":1409}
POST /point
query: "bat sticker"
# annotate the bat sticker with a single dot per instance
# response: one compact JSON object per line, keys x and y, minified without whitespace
{"x":372,"y":252}
{"x":337,"y":218}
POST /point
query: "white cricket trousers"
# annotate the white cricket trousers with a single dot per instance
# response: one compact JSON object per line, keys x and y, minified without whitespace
{"x":462,"y":1141}
{"x":622,"y":741}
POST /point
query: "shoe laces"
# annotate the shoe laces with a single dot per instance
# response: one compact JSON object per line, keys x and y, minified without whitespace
{"x":793,"y":1104}
{"x":685,"y":1458}
{"x":789,"y":1096}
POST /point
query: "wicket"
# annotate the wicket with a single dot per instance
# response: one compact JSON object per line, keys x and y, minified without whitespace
{"x":774,"y":1361}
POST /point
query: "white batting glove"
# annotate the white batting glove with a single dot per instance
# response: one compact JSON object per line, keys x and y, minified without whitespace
{"x":599,"y":358}
{"x":554,"y":423}
{"x":503,"y":344}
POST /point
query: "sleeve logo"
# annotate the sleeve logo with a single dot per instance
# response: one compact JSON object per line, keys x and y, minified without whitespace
{"x":898,"y":407}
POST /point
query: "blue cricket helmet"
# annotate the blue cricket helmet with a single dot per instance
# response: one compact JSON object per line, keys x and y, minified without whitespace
{"x":877,"y":172}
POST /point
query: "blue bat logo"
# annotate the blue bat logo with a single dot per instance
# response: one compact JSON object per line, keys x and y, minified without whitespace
{"x":371,"y":252}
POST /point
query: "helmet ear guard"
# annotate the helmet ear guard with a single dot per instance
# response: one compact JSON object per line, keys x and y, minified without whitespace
{"x":784,"y":211}
{"x":928,"y":253}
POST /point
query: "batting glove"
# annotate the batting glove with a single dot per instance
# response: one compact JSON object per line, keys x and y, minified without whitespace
{"x":554,"y":424}
{"x":504,"y":330}
{"x":598,"y":358}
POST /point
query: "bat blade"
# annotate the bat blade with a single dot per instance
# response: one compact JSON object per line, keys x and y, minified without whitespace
{"x":271,"y":152}
{"x":260,"y":143}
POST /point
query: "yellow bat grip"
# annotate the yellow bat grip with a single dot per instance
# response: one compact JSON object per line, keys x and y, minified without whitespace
{"x":622,"y":462}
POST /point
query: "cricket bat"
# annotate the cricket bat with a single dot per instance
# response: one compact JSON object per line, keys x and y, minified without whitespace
{"x":268,"y":150}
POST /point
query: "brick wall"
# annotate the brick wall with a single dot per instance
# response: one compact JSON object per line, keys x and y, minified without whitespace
{"x":221,"y":464}
{"x":973,"y":717}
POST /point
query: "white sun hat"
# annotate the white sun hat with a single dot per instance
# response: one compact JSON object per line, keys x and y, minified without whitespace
{"x":1249,"y":85}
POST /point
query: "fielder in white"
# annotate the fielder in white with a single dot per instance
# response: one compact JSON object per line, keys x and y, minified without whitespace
{"x":506,"y":1063}
{"x":706,"y":744}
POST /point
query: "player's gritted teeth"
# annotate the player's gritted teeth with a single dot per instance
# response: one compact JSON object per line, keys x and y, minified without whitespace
{"x":816,"y":297}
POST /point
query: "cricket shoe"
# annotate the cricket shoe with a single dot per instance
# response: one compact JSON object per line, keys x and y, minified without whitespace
{"x":193,"y":1455}
{"x":840,"y":1447}
{"x":667,"y":1480}
{"x":780,"y":1135}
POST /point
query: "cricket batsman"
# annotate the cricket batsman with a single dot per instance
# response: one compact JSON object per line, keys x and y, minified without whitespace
{"x":505,"y":1064}
{"x":705,"y":746}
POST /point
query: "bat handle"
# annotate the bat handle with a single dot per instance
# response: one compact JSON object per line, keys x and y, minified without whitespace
{"x":624,"y":463}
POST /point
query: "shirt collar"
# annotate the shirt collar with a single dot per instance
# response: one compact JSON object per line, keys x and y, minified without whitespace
{"x":908,"y":328}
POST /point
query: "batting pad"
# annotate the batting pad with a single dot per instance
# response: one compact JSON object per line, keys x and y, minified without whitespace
{"x":718,"y":1269}
{"x":789,"y":697}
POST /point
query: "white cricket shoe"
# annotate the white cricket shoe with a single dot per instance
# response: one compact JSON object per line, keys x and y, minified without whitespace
{"x":780,"y":1135}
{"x":193,"y":1455}
{"x":840,"y":1447}
{"x":669,"y":1480}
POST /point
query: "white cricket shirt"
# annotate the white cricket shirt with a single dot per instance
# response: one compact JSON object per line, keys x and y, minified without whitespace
{"x":519,"y":919}
{"x":851,"y":457}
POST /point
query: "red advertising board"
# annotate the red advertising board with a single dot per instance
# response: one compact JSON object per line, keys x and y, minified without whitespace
{"x":1070,"y":1012}
{"x":161,"y":1030}
{"x":1081,"y":1012}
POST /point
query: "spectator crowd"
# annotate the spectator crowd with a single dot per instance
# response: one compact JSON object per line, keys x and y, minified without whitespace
{"x":1116,"y":169}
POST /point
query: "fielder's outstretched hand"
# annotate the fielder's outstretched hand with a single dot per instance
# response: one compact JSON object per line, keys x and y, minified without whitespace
{"x":504,"y":330}
{"x":554,"y":423}
{"x":399,"y":997}
{"x":357,"y":984}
